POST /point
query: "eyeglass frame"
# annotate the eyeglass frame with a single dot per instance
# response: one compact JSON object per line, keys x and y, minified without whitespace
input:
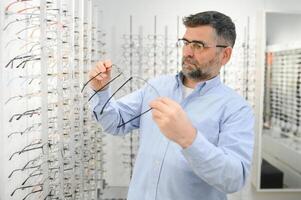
{"x":197,"y":45}
{"x":113,"y":79}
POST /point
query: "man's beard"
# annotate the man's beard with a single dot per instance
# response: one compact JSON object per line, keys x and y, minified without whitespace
{"x":191,"y":69}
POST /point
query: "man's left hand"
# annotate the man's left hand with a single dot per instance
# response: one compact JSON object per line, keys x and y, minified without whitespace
{"x":173,"y":121}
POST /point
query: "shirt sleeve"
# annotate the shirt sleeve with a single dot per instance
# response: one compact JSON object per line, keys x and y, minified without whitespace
{"x":116,"y":112}
{"x":227,"y":164}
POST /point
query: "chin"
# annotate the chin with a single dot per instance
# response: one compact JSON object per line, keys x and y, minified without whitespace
{"x":186,"y":69}
{"x":188,"y":66}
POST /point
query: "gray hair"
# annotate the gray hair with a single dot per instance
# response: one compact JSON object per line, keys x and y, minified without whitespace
{"x":222,"y":24}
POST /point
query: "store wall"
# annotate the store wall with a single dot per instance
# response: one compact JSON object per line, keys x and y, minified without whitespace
{"x":116,"y":14}
{"x":283,"y":28}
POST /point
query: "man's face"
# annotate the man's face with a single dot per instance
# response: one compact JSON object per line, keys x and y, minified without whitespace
{"x":202,"y":64}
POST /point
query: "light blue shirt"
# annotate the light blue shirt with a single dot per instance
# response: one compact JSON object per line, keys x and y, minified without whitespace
{"x":218,"y":161}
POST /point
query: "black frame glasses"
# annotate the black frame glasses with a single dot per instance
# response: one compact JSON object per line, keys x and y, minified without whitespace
{"x":196,"y":45}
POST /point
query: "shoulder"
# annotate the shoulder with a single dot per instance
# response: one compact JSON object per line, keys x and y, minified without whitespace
{"x":233,"y":101}
{"x":163,"y":79}
{"x":162,"y":84}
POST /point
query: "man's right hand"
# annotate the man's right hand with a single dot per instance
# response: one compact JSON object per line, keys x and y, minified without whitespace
{"x":103,"y":78}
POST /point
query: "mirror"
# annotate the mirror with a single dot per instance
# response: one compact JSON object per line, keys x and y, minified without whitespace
{"x":279,"y":113}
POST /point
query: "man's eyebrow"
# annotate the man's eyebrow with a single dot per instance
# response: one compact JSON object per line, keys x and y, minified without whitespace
{"x":199,"y":41}
{"x":196,"y":41}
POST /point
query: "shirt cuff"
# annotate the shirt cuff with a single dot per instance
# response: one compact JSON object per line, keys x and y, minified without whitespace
{"x":199,"y":150}
{"x":100,"y":98}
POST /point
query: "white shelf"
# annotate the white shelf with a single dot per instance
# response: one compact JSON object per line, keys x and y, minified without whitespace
{"x":283,"y":47}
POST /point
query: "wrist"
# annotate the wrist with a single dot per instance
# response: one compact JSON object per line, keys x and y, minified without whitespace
{"x":188,"y":139}
{"x":100,"y":89}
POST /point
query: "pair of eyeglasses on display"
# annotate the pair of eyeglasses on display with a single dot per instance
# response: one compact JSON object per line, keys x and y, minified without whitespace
{"x":155,"y":37}
{"x":34,"y":164}
{"x":29,"y":113}
{"x":26,"y":130}
{"x":32,"y":44}
{"x":33,"y":144}
{"x":130,"y":37}
{"x":131,"y":81}
{"x":24,"y":60}
{"x":29,"y":7}
{"x":26,"y":20}
{"x":35,"y":173}
{"x":38,"y":144}
{"x":36,"y":188}
{"x":40,"y":185}
{"x":38,"y":94}
{"x":52,"y":26}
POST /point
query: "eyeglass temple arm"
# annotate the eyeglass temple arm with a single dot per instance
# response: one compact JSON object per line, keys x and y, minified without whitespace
{"x":124,"y":123}
{"x":92,"y":79}
{"x":104,"y":86}
{"x":103,"y":107}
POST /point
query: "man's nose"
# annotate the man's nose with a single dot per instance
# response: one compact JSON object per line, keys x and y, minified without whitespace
{"x":188,"y":51}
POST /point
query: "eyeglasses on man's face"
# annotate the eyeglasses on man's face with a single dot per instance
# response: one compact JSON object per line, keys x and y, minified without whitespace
{"x":196,"y":45}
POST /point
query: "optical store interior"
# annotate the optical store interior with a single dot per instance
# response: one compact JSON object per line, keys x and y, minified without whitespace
{"x":53,"y":147}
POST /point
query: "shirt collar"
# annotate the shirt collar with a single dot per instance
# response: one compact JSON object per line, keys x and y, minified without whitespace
{"x":202,"y":86}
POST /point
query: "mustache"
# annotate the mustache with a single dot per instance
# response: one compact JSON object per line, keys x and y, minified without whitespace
{"x":189,"y":60}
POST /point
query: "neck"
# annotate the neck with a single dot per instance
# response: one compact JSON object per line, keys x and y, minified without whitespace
{"x":191,"y":83}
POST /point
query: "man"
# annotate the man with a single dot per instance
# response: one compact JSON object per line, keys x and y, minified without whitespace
{"x":197,"y":141}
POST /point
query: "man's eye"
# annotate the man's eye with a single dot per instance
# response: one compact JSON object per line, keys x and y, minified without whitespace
{"x":197,"y":46}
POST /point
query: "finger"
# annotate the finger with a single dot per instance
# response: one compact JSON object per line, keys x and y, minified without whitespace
{"x":108,"y":63}
{"x":168,"y":101}
{"x":155,"y":104}
{"x":109,"y":69}
{"x":100,"y":66}
{"x":96,"y":74}
{"x":101,"y":76}
{"x":93,"y":72}
{"x":164,"y":100}
{"x":159,"y":105}
{"x":97,"y":69}
{"x":157,"y":114}
{"x":161,"y":99}
{"x":108,"y":66}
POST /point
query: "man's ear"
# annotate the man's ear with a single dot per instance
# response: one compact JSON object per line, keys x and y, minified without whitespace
{"x":226,"y":55}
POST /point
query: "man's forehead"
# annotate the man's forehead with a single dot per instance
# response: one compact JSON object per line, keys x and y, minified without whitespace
{"x":205,"y":33}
